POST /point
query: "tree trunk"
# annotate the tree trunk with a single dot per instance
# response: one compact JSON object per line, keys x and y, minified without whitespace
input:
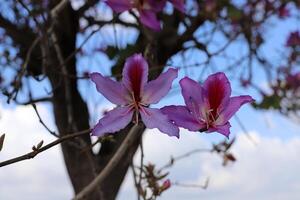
{"x":82,"y":166}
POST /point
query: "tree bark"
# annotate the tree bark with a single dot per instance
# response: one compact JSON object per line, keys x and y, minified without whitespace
{"x":82,"y":166}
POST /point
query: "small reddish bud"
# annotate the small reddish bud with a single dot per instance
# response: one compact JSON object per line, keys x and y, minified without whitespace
{"x":245,"y":82}
{"x":166,"y":185}
{"x":293,"y":39}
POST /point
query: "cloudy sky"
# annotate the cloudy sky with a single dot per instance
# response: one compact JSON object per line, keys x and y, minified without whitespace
{"x":267,"y":170}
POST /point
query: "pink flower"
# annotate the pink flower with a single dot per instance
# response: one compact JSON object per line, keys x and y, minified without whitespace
{"x":293,"y":80}
{"x":293,"y":39}
{"x":208,"y":106}
{"x":283,"y":12}
{"x":133,"y":96}
{"x":146,"y":8}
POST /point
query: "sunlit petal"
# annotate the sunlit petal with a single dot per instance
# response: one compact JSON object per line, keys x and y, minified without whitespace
{"x":158,"y":88}
{"x":112,"y":90}
{"x":182,"y":117}
{"x":154,"y":118}
{"x":113,"y":121}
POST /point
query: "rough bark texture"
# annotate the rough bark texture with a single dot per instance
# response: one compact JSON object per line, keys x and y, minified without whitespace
{"x":82,"y":166}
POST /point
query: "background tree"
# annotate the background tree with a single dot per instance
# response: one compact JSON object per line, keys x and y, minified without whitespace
{"x":48,"y":42}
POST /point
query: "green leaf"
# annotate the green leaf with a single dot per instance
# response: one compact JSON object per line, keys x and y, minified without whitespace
{"x":234,"y":13}
{"x":269,"y":102}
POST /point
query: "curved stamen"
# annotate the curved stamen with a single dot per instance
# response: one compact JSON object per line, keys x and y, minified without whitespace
{"x":144,"y":111}
{"x":135,"y":105}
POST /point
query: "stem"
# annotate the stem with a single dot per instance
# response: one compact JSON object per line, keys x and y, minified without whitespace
{"x":33,"y":153}
{"x":129,"y":140}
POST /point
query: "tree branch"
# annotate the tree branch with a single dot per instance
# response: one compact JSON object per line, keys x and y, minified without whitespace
{"x":129,"y":140}
{"x":36,"y":151}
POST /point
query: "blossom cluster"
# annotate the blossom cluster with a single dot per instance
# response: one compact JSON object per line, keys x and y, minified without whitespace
{"x":147,"y":9}
{"x":208,"y":106}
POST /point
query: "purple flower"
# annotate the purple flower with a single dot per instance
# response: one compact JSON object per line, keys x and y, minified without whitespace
{"x":133,"y":95}
{"x":293,"y":39}
{"x":178,"y":4}
{"x":293,"y":80}
{"x":283,"y":12}
{"x":146,"y":8}
{"x":208,"y":106}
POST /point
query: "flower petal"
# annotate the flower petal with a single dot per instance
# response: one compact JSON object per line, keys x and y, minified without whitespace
{"x":178,"y":4}
{"x":234,"y":105}
{"x":223,"y":129}
{"x":149,"y":19}
{"x":154,"y":118}
{"x":119,"y":5}
{"x":157,"y":6}
{"x":218,"y":91}
{"x":182,"y":117}
{"x":112,"y":90}
{"x":113,"y":121}
{"x":158,"y":88}
{"x":194,"y":97}
{"x":135,"y":74}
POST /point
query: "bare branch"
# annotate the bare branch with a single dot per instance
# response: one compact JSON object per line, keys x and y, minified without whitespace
{"x":2,"y":141}
{"x":59,"y":7}
{"x":245,"y":131}
{"x":33,"y":153}
{"x":129,"y":140}
{"x":185,"y":155}
{"x":66,"y":80}
{"x":20,"y":75}
{"x":42,"y":122}
{"x":86,"y":6}
{"x":33,"y":101}
{"x":203,"y":186}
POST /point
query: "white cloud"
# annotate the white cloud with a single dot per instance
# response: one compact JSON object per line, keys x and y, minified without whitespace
{"x":269,"y":170}
{"x":40,"y":177}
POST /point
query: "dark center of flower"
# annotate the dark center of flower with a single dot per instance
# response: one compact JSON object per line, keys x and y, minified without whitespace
{"x":137,"y":106}
{"x":135,"y":74}
{"x":207,"y":116}
{"x":216,"y":93}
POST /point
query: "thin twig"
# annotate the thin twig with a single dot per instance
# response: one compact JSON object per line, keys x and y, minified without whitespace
{"x":2,"y":137}
{"x":20,"y":75}
{"x":137,"y":186}
{"x":142,"y":162}
{"x":34,"y":101}
{"x":31,"y":14}
{"x":174,"y":159}
{"x":81,"y":45}
{"x":59,"y":7}
{"x":66,"y":80}
{"x":129,"y":140}
{"x":33,"y":153}
{"x":204,"y":186}
{"x":42,"y":122}
{"x":245,"y":131}
{"x":54,"y":13}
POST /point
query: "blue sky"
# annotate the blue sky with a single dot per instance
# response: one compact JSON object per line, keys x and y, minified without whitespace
{"x":267,"y":170}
